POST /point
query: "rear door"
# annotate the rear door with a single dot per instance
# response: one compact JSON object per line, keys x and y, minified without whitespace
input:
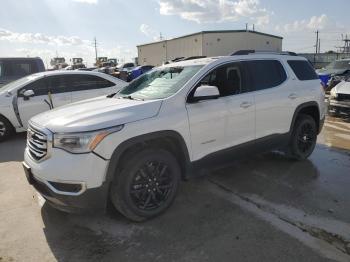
{"x":85,"y":86}
{"x":274,"y":106}
{"x":60,"y":93}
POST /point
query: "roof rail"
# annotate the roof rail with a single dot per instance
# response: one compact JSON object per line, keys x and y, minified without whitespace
{"x":248,"y":52}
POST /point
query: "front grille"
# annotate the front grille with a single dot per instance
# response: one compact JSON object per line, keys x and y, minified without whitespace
{"x":36,"y":143}
{"x":343,"y":97}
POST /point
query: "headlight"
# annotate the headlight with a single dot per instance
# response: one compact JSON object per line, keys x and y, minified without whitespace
{"x":83,"y":142}
{"x":333,"y":93}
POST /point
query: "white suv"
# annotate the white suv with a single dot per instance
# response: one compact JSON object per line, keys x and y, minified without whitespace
{"x":133,"y":148}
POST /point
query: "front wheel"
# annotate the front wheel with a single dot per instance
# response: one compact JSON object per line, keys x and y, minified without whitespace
{"x":6,"y":129}
{"x":146,"y":185}
{"x":303,"y":139}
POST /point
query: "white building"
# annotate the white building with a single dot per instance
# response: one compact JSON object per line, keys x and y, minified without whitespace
{"x":207,"y":43}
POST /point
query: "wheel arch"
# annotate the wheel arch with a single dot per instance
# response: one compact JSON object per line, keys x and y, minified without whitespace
{"x":8,"y":120}
{"x":308,"y":108}
{"x":168,"y":139}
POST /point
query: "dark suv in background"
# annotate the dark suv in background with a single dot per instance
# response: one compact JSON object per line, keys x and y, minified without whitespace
{"x":15,"y":68}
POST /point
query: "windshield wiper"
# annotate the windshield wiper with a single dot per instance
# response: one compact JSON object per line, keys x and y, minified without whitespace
{"x":131,"y":98}
{"x":111,"y":95}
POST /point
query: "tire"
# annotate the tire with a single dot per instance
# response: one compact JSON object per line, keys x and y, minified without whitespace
{"x":6,"y":129}
{"x":303,"y":139}
{"x":146,"y":185}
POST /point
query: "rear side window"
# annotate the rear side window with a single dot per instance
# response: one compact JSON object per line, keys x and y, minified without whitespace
{"x":265,"y":74}
{"x":303,"y":69}
{"x":57,"y":84}
{"x":87,"y":82}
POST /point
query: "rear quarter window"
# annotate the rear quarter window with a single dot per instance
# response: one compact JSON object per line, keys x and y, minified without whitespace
{"x":303,"y":69}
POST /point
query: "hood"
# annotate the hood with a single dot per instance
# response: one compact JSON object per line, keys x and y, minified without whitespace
{"x":326,"y":71}
{"x":342,"y":88}
{"x":96,"y":113}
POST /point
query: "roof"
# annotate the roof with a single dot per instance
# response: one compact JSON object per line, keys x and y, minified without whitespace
{"x":253,"y":56}
{"x":214,"y":32}
{"x":73,"y":72}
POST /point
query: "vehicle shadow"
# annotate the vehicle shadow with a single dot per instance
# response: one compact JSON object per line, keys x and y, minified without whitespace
{"x":13,"y":148}
{"x":261,"y":172}
{"x":194,"y":217}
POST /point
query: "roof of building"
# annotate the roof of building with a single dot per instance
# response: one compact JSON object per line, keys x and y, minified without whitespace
{"x":213,"y":32}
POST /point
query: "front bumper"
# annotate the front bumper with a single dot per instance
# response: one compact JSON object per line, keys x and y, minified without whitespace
{"x":87,"y":171}
{"x":339,"y":107}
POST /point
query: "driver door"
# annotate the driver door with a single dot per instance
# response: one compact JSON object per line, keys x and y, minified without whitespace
{"x":31,"y":106}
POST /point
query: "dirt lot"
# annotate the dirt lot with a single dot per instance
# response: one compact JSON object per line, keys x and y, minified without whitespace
{"x":267,"y":208}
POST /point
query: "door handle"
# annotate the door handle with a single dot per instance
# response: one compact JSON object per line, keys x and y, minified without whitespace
{"x":246,"y":104}
{"x":293,"y":96}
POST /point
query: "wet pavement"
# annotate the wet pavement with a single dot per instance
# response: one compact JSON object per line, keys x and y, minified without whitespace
{"x":266,"y":208}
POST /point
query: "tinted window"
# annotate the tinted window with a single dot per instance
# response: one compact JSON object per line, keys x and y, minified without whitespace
{"x":228,"y":79}
{"x":303,"y":69}
{"x":86,"y":82}
{"x":128,"y":65}
{"x":17,"y":67}
{"x":265,"y":73}
{"x":5,"y":69}
{"x":57,"y":84}
{"x":39,"y":87}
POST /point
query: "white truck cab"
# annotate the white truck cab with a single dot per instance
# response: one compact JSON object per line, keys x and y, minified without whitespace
{"x":28,"y":96}
{"x":134,"y":147}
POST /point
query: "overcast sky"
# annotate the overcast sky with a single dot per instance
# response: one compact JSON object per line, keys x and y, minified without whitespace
{"x":44,"y":27}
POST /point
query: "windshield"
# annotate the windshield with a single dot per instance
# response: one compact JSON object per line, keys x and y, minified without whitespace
{"x":159,"y":83}
{"x":16,"y":83}
{"x":345,"y":64}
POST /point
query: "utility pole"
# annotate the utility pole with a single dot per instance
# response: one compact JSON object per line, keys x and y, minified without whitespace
{"x":319,"y":45}
{"x":316,"y":51}
{"x":316,"y":47}
{"x":95,"y":45}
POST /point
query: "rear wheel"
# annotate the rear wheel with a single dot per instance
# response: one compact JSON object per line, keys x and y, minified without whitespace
{"x":303,"y":139}
{"x":6,"y":128}
{"x":146,"y":185}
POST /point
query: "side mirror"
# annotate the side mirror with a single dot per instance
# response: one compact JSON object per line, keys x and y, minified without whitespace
{"x":27,"y":94}
{"x":205,"y":93}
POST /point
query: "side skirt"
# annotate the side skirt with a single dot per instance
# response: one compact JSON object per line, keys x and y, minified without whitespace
{"x":222,"y":157}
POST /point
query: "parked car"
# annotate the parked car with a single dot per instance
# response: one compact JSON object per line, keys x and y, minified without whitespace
{"x":332,"y":74}
{"x":12,"y":68}
{"x":339,"y":99}
{"x":137,"y":71}
{"x":28,"y":96}
{"x":133,"y":148}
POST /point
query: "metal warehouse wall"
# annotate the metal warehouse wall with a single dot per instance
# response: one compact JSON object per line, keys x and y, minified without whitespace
{"x":206,"y":44}
{"x":184,"y":46}
{"x":152,"y":54}
{"x":218,"y":44}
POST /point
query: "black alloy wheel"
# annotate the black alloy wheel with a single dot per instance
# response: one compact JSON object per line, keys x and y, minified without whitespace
{"x":146,"y":184}
{"x":304,"y":137}
{"x":152,"y":185}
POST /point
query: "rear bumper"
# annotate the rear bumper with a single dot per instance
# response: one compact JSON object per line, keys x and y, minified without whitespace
{"x":91,"y":200}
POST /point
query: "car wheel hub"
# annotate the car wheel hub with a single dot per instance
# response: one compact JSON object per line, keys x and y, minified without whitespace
{"x":151,"y":185}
